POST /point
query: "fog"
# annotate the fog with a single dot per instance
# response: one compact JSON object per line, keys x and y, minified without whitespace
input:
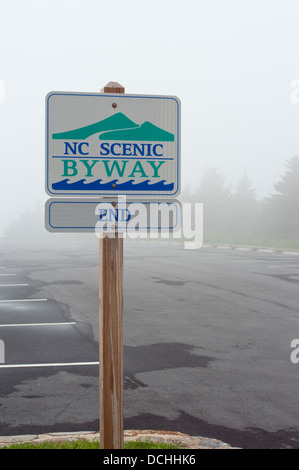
{"x":234,"y":65}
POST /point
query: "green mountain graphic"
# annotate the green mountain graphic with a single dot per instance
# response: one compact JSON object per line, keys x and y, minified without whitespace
{"x":117,"y":121}
{"x":118,"y":127}
{"x":146,"y":131}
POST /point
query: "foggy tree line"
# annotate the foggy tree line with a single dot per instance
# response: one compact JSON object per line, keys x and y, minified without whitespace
{"x":236,"y":215}
{"x":232,"y":215}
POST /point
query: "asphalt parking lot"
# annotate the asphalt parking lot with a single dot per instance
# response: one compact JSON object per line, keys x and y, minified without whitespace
{"x":207,"y":337}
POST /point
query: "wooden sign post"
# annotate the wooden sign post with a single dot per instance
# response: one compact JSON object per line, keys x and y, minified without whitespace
{"x":136,"y":125}
{"x":111,"y":332}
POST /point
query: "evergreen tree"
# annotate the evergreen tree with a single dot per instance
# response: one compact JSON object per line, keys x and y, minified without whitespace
{"x":215,"y":197}
{"x":281,"y":209}
{"x":244,"y":210}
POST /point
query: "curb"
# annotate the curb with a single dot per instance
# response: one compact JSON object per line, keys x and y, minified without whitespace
{"x":176,"y":438}
{"x":262,"y":249}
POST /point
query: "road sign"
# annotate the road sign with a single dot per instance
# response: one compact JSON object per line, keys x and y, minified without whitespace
{"x":128,"y":216}
{"x":100,"y":144}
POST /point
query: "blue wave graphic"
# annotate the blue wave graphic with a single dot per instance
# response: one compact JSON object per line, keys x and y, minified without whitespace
{"x":97,"y":185}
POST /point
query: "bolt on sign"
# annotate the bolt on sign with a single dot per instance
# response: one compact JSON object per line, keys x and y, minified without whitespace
{"x":101,"y":144}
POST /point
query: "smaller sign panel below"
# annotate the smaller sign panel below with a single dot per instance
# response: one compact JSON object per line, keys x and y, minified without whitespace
{"x":112,"y":214}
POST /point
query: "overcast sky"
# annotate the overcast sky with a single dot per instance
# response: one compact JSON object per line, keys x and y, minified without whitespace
{"x":231,"y":63}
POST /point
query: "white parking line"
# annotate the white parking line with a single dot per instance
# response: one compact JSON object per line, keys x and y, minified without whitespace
{"x":7,"y":274}
{"x":284,"y":266}
{"x":38,"y":324}
{"x":13,"y":285}
{"x":24,"y":300}
{"x":59,"y":364}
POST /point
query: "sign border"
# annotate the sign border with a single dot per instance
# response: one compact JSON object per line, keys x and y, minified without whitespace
{"x":50,"y":228}
{"x":118,"y":96}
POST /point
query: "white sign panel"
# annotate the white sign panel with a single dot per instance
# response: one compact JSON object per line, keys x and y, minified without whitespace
{"x":112,"y":144}
{"x":88,"y":215}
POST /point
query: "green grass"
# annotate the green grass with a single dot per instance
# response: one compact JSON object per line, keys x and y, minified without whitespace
{"x":287,"y":244}
{"x":94,"y":444}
